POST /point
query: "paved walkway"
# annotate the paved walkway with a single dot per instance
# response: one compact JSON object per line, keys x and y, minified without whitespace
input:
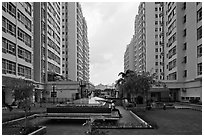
{"x":126,"y":116}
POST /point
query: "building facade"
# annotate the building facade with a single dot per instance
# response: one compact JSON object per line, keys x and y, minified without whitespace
{"x":75,"y":46}
{"x":169,"y":43}
{"x":17,"y":43}
{"x":183,"y":43}
{"x":34,"y":46}
{"x":47,"y":40}
{"x":129,"y":56}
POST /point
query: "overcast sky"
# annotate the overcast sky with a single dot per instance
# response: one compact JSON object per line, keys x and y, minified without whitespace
{"x":110,"y":29}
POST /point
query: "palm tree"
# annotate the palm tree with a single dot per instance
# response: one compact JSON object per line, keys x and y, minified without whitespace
{"x":123,"y":83}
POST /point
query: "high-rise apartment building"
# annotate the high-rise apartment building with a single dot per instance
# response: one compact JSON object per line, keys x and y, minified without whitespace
{"x":169,"y":43}
{"x":183,"y":47}
{"x":17,"y":42}
{"x":75,"y":47}
{"x":129,"y":56}
{"x":47,"y":40}
{"x":149,"y":38}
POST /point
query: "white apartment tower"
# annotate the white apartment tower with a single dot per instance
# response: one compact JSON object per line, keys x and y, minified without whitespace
{"x":75,"y":46}
{"x":168,"y":42}
{"x":183,"y":48}
{"x":149,"y":42}
{"x":47,"y":40}
{"x":129,"y":56}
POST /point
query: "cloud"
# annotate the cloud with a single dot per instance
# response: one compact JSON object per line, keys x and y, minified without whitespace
{"x":110,"y":29}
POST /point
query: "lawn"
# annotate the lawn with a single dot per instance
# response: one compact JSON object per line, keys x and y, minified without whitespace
{"x":169,"y":122}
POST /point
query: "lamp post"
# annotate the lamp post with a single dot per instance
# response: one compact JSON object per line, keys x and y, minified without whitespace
{"x":81,"y":86}
{"x":53,"y":93}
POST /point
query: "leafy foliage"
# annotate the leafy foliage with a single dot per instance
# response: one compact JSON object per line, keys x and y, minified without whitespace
{"x":132,"y":83}
{"x":22,"y":92}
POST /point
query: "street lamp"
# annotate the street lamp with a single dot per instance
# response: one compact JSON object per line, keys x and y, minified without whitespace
{"x":53,"y":93}
{"x":81,"y":86}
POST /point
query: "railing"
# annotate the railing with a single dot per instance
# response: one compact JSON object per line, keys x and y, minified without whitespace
{"x":56,"y":100}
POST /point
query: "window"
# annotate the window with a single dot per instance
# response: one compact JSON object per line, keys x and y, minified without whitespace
{"x":184,"y":19}
{"x":199,"y":51}
{"x":156,"y":22}
{"x":156,"y":56}
{"x":184,"y":32}
{"x":172,"y":52}
{"x":184,"y":6}
{"x":8,"y":67}
{"x":24,"y":71}
{"x":156,"y":50}
{"x":156,"y":43}
{"x":199,"y":14}
{"x":28,"y":40}
{"x":172,"y":76}
{"x":20,"y":70}
{"x":11,"y":9}
{"x":24,"y":37}
{"x":156,"y":9}
{"x":185,"y":60}
{"x":198,"y":3}
{"x":199,"y":68}
{"x":199,"y":33}
{"x":20,"y":35}
{"x":8,"y":46}
{"x":4,"y":45}
{"x":10,"y":27}
{"x":4,"y":28}
{"x":185,"y":46}
{"x":21,"y":52}
{"x":156,"y":16}
{"x":21,"y":17}
{"x":4,"y":5}
{"x":156,"y":63}
{"x":172,"y":64}
{"x":11,"y":48}
{"x":27,"y":56}
{"x":27,"y":7}
{"x":185,"y":73}
{"x":172,"y":39}
{"x":27,"y":23}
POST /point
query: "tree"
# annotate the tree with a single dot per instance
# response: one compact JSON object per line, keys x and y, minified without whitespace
{"x":124,"y":83}
{"x":23,"y":92}
{"x":133,"y":83}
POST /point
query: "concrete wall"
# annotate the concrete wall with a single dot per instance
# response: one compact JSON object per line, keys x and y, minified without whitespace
{"x":37,"y":42}
{"x":65,"y":89}
{"x":150,"y":35}
{"x":72,"y":55}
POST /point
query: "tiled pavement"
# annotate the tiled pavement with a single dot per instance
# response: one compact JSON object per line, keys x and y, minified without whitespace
{"x":126,"y":116}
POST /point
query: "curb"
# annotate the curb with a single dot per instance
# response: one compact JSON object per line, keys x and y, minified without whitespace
{"x":141,"y":120}
{"x":34,"y":115}
{"x":40,"y":131}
